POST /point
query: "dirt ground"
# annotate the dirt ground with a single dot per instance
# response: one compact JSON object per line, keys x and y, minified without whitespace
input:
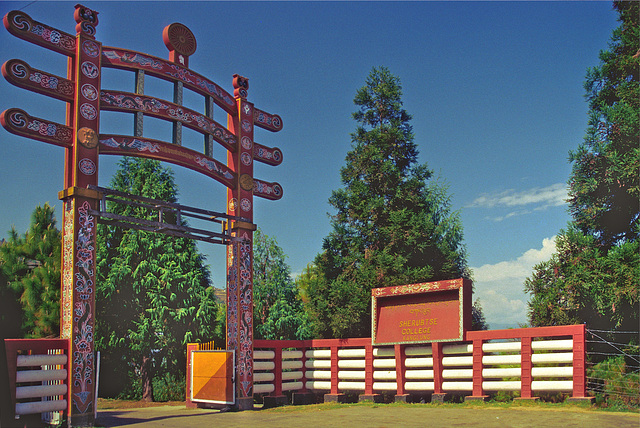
{"x":109,"y":404}
{"x":370,"y":415}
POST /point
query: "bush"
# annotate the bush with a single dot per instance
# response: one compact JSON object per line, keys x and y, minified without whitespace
{"x":169,"y":387}
{"x":132,"y":389}
{"x":614,"y":383}
{"x":166,"y":387}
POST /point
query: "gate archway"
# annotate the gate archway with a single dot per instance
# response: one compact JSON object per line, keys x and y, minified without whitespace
{"x":80,"y":136}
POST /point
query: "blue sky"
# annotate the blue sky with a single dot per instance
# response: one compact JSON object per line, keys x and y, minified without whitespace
{"x":494,"y":88}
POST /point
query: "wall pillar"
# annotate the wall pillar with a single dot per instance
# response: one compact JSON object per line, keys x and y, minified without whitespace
{"x":334,"y":395}
{"x":276,"y":398}
{"x":438,"y":395}
{"x":240,"y":252}
{"x":79,"y":226}
{"x":400,"y":356}
{"x":580,"y":367}
{"x":369,"y":394}
{"x":303,"y":396}
{"x":477,"y":392}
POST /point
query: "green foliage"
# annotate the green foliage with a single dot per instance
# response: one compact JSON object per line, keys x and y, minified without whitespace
{"x":615,"y":385}
{"x":220,"y":326}
{"x":11,"y":313}
{"x":166,"y":387}
{"x":504,"y":396}
{"x":277,"y":307}
{"x":593,"y":276}
{"x":391,"y":227}
{"x":153,"y":293}
{"x":129,"y":389}
{"x":30,"y":278}
{"x":311,"y":284}
{"x":169,"y":387}
{"x":478,"y":321}
{"x":584,"y":282}
{"x":605,"y":180}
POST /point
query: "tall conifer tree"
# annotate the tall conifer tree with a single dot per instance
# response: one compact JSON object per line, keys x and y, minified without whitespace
{"x":153,"y":291}
{"x":593,"y":276}
{"x":605,"y":180}
{"x":391,"y":226}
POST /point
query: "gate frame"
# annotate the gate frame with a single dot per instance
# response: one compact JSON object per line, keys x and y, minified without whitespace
{"x":80,"y":137}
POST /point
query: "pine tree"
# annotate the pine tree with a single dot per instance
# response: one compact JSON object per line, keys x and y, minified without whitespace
{"x":153,"y":292}
{"x":30,"y":273}
{"x":605,"y":180}
{"x":391,"y":227}
{"x":593,"y":276}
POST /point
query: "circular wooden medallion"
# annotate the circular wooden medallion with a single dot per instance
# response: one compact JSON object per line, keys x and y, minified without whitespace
{"x":88,"y":138}
{"x":177,"y":37}
{"x":246,"y":182}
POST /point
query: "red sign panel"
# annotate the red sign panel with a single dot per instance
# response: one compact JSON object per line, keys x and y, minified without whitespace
{"x":421,"y":313}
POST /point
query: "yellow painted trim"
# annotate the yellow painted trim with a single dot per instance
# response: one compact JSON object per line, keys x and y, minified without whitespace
{"x":79,"y":191}
{"x":235,"y":225}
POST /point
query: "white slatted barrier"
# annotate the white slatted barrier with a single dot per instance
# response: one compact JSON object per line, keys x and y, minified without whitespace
{"x":275,"y":377}
{"x":419,"y":369}
{"x":505,"y":360}
{"x":384,"y":373}
{"x":318,"y":367}
{"x":263,"y":376}
{"x":52,"y":389}
{"x":351,"y":366}
{"x":501,"y":368}
{"x":292,"y":370}
{"x":38,"y":375}
{"x":551,"y":359}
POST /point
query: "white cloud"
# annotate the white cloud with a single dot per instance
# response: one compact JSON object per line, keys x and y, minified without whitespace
{"x":550,"y":196}
{"x":534,"y":256}
{"x":500,"y":286}
{"x":509,"y":215}
{"x":503,"y":310}
{"x":518,"y":268}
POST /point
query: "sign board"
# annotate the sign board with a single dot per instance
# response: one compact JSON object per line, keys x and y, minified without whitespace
{"x":421,"y":313}
{"x":212,"y":377}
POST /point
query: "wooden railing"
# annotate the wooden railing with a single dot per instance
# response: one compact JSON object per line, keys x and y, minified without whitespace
{"x":528,"y":360}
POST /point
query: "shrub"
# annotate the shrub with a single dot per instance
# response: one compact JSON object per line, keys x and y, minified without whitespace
{"x":614,"y":383}
{"x":169,"y":387}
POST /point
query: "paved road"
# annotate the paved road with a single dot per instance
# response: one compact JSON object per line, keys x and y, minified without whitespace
{"x":357,"y":416}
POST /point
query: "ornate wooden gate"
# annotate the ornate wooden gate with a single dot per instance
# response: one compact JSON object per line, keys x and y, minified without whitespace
{"x":83,"y":143}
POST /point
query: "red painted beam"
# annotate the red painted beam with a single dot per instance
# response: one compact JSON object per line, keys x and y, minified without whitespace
{"x":526,"y":367}
{"x":399,"y":351}
{"x":437,"y":355}
{"x":477,"y":368}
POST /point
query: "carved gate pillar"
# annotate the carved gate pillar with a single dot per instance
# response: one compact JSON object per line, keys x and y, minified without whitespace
{"x":79,"y":227}
{"x":240,"y":252}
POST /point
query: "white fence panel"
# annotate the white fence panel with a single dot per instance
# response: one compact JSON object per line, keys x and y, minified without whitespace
{"x":351,"y":353}
{"x":318,"y":374}
{"x":351,"y":374}
{"x":456,"y":365}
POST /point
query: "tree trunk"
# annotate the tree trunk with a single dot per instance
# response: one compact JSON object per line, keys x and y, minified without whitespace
{"x":147,"y":386}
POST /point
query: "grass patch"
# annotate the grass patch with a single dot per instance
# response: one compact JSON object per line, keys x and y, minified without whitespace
{"x":513,"y":405}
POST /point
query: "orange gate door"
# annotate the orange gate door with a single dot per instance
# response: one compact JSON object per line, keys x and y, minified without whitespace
{"x":212,"y":377}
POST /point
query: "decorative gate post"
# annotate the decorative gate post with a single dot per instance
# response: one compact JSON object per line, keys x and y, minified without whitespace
{"x":240,"y":252}
{"x":79,"y":227}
